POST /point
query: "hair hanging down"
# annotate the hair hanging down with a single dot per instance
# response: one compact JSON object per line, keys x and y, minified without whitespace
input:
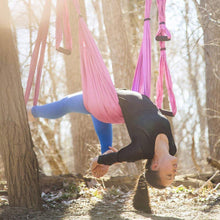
{"x":141,"y":199}
{"x":152,"y":177}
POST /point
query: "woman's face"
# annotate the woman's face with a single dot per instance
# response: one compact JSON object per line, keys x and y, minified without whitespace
{"x":167,"y":170}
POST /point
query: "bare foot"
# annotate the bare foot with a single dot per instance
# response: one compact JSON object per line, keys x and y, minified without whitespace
{"x":31,"y":118}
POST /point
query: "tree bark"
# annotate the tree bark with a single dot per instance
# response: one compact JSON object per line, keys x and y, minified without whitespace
{"x":83,"y":134}
{"x":122,"y":64}
{"x":208,"y":15}
{"x":48,"y":148}
{"x":21,"y":166}
{"x":102,"y":37}
{"x":192,"y":68}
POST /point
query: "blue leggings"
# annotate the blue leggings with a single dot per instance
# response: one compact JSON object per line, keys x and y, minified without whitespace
{"x":74,"y":103}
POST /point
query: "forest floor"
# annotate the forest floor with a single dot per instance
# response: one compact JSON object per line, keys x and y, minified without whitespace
{"x":69,"y":199}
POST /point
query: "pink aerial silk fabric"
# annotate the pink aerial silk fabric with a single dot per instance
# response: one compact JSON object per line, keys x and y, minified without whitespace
{"x":63,"y":27}
{"x":164,"y":70}
{"x":142,"y":78}
{"x":163,"y":33}
{"x":99,"y":94}
{"x":37,"y":59}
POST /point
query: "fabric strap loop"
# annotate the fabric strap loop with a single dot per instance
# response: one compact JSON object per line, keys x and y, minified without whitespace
{"x":37,"y":58}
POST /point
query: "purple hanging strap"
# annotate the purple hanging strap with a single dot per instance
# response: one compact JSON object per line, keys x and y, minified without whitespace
{"x":142,"y":78}
{"x":163,"y":69}
{"x":162,"y":34}
{"x":36,"y":61}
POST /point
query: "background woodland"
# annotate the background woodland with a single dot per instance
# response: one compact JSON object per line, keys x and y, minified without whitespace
{"x":66,"y":145}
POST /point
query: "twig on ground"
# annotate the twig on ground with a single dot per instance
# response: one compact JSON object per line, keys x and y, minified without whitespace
{"x":208,"y":181}
{"x":217,"y":186}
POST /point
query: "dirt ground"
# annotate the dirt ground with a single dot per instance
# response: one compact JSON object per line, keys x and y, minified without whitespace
{"x":97,"y":201}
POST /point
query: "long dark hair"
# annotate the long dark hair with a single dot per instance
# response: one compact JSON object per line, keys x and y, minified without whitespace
{"x":141,"y":199}
{"x":152,"y":177}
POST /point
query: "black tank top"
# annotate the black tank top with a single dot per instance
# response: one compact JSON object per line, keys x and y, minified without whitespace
{"x":144,"y":122}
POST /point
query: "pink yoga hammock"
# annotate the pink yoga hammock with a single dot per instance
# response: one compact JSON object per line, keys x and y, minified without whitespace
{"x":99,"y":94}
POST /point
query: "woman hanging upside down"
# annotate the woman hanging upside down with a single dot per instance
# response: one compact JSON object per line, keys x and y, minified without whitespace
{"x":149,"y":130}
{"x":150,"y":134}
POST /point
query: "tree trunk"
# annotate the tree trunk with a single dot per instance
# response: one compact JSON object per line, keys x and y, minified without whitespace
{"x":21,"y":166}
{"x":102,"y":37}
{"x":44,"y":140}
{"x":212,"y":59}
{"x":209,"y":14}
{"x":122,"y":65}
{"x":194,"y":83}
{"x":83,"y":134}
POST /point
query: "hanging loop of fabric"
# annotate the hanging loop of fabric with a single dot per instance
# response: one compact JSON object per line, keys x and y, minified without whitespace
{"x":36,"y":59}
{"x":63,"y":28}
{"x":142,"y":77}
{"x":163,"y":33}
{"x":164,"y":70}
{"x":99,"y":94}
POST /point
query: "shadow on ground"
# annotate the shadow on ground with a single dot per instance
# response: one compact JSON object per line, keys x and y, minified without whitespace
{"x":120,"y":209}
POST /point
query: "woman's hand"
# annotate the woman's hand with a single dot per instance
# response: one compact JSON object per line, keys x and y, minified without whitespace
{"x":99,"y":170}
{"x":113,"y":149}
{"x":31,"y":118}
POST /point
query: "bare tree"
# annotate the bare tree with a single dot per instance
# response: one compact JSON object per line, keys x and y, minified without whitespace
{"x":21,"y":166}
{"x":193,"y":74}
{"x":83,"y":134}
{"x":122,"y":64}
{"x":208,"y":15}
{"x":101,"y":39}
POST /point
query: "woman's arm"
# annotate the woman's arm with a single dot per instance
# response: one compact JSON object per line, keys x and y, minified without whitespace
{"x":130,"y":153}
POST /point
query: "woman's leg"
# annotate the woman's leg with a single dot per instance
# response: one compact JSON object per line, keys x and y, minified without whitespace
{"x":71,"y":103}
{"x":74,"y":103}
{"x":104,"y":133}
